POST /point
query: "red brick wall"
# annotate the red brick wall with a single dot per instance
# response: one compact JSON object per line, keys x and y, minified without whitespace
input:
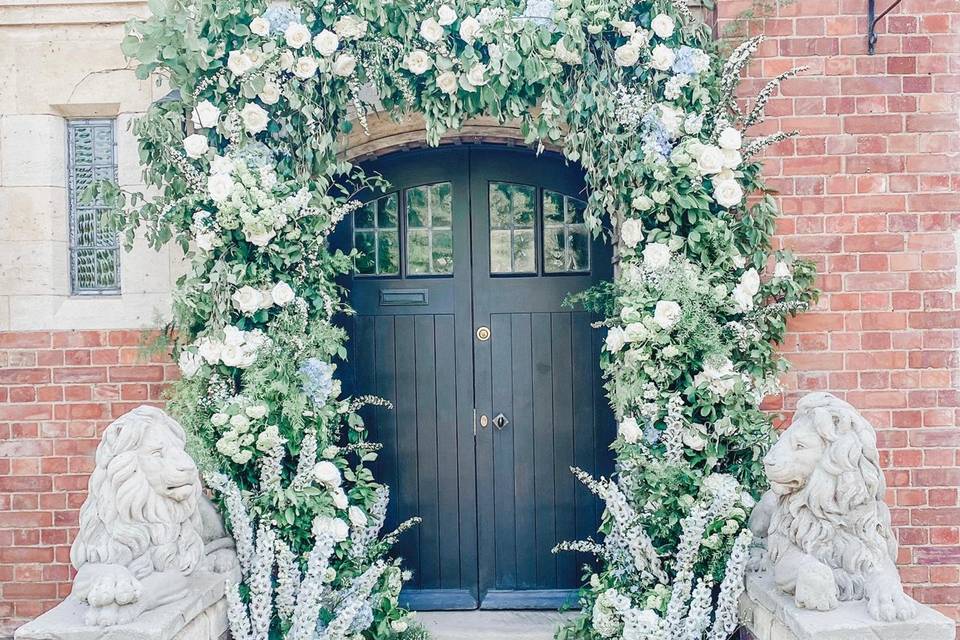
{"x":58,"y":391}
{"x":870,"y":192}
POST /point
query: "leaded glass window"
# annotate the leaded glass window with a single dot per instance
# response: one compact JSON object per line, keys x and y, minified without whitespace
{"x":429,"y":229}
{"x":566,"y":240}
{"x":94,"y":242}
{"x":513,"y":216}
{"x":376,"y":236}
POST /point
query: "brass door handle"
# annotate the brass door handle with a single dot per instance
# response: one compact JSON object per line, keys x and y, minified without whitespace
{"x":500,"y":421}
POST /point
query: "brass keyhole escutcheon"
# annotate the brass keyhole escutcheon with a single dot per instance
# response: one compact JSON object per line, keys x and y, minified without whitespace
{"x":483,"y":334}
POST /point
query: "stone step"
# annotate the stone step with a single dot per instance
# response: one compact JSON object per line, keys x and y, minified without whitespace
{"x":492,"y":625}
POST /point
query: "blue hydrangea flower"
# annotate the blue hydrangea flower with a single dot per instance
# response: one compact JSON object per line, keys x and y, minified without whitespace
{"x":280,"y":17}
{"x":656,"y":136}
{"x":650,"y":433}
{"x":317,"y":380}
{"x":683,"y":63}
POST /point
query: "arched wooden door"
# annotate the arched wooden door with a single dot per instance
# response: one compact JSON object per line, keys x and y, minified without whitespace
{"x":496,"y":387}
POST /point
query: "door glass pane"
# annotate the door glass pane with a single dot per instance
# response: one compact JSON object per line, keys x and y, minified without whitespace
{"x":375,"y":237}
{"x":429,"y":229}
{"x":512,"y":236}
{"x":566,"y":246}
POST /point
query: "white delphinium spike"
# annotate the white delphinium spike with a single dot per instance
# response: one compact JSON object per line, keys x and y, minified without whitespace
{"x":240,"y":525}
{"x":684,"y":10}
{"x":391,"y":538}
{"x":357,"y":596}
{"x":688,"y":549}
{"x":625,"y":519}
{"x":672,"y":436}
{"x":726,"y":615}
{"x":730,"y":77}
{"x":311,"y":590}
{"x":288,"y":580}
{"x":759,"y":144}
{"x":237,"y":614}
{"x":362,"y":537}
{"x":261,"y":583}
{"x":271,"y":468}
{"x":756,"y":115}
{"x":306,"y":461}
{"x":580,"y":546}
{"x":698,"y":615}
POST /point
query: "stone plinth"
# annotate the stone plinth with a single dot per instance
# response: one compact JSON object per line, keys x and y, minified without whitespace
{"x":769,"y":614}
{"x":200,"y":615}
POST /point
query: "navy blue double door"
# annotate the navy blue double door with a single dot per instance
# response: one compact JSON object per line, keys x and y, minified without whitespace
{"x":466,"y":260}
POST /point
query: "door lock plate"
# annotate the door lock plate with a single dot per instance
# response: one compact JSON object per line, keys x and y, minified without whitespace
{"x":500,"y":421}
{"x":483,"y":334}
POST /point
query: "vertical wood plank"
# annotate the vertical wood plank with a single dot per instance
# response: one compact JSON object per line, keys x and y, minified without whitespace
{"x":563,"y":445}
{"x":407,"y":443}
{"x":503,"y":473}
{"x":523,"y":439}
{"x":543,"y":450}
{"x":386,"y":419}
{"x":361,"y":369}
{"x":584,"y":425}
{"x":427,"y":461}
{"x":448,"y":470}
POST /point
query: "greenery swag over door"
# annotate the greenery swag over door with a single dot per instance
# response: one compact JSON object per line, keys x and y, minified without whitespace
{"x":246,"y":167}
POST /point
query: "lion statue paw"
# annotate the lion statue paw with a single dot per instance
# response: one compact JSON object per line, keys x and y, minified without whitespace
{"x":816,"y":589}
{"x":886,"y":601}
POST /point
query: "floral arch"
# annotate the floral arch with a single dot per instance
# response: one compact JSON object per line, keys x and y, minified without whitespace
{"x":250,"y":176}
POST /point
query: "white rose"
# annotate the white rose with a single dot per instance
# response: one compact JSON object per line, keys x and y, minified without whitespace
{"x":326,"y":43}
{"x":286,"y":60}
{"x":750,"y":281}
{"x":446,"y":15}
{"x":694,"y":440}
{"x":260,"y":239}
{"x":469,"y":29}
{"x":350,"y":27}
{"x":709,"y":159}
{"x":399,"y":626}
{"x":239,"y":422}
{"x":431,"y":31}
{"x":282,"y":294}
{"x":745,"y":291}
{"x":239,"y":62}
{"x":305,"y":67}
{"x":330,"y":452}
{"x":477,"y":75}
{"x":220,"y":187}
{"x":615,"y":339}
{"x":642,"y":202}
{"x":233,"y":356}
{"x":629,"y":430}
{"x":447,"y":82}
{"x":662,"y":57}
{"x":666,"y":314}
{"x":626,"y":55}
{"x":297,"y":35}
{"x":326,"y":473}
{"x":731,"y":158}
{"x":344,"y":64}
{"x":205,"y":115}
{"x":255,"y":118}
{"x":339,"y":498}
{"x":189,"y":363}
{"x":672,"y":119}
{"x":781,"y":270}
{"x":233,"y":336}
{"x":635,"y":332}
{"x":727,"y":193}
{"x":656,"y":255}
{"x":334,"y":528}
{"x":260,"y":26}
{"x":219,"y":419}
{"x":247,"y":299}
{"x":256,"y":411}
{"x":195,"y":145}
{"x":663,"y":26}
{"x":626,"y":28}
{"x":270,"y":94}
{"x":693,"y":124}
{"x":357,"y":517}
{"x":631,"y":232}
{"x":417,"y":61}
{"x":209,"y":350}
{"x":730,"y":138}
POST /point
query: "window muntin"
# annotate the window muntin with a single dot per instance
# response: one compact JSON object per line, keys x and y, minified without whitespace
{"x":94,"y":243}
{"x":566,"y":239}
{"x":513,"y":217}
{"x":429,"y":218}
{"x":376,"y":236}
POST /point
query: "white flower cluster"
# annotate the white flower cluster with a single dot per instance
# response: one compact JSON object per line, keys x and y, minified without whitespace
{"x":241,"y":423}
{"x":233,"y":348}
{"x":248,"y":300}
{"x":719,"y":375}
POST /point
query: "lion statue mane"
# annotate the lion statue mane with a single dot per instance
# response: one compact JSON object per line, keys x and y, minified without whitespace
{"x":145,"y":526}
{"x":826,"y":526}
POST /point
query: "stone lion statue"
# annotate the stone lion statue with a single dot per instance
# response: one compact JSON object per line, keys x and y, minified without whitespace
{"x":827,"y":529}
{"x":145,"y":526}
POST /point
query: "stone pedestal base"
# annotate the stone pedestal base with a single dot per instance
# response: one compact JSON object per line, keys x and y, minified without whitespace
{"x":200,"y":615}
{"x":768,"y":614}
